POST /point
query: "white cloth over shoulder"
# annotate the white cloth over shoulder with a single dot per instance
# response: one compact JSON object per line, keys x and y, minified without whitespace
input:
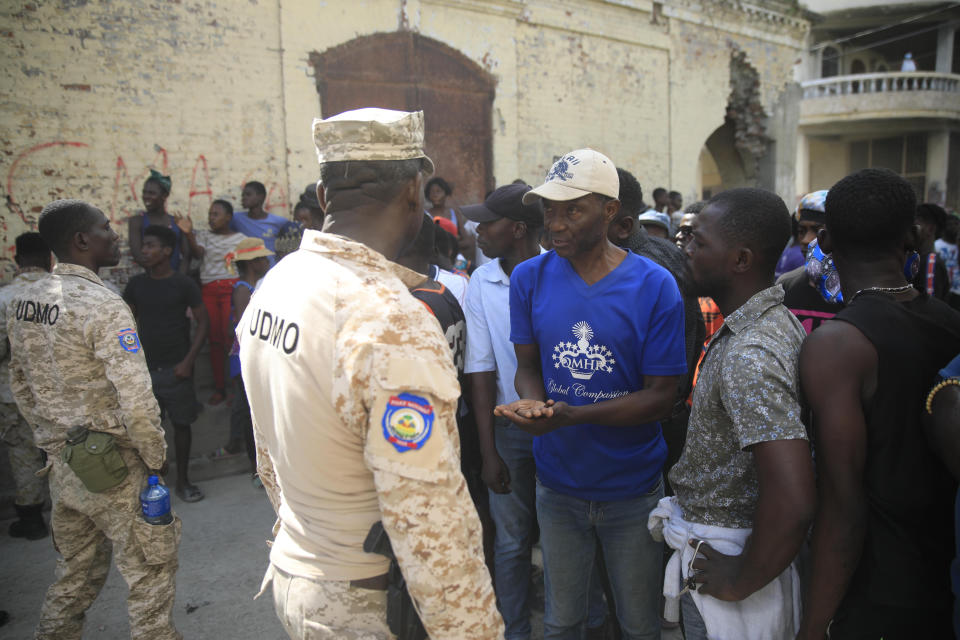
{"x":772,"y":613}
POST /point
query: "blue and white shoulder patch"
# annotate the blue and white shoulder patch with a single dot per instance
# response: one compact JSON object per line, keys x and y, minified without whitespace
{"x":407,"y":421}
{"x":129,"y":340}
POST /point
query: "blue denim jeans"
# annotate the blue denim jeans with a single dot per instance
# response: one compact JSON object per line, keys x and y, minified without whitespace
{"x":569,"y":531}
{"x":694,"y":628}
{"x":514,"y":515}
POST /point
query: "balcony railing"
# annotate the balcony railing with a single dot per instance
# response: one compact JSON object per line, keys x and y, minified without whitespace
{"x":895,"y":82}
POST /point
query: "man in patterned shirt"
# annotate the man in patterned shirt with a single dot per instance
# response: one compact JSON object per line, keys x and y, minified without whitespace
{"x":744,"y":483}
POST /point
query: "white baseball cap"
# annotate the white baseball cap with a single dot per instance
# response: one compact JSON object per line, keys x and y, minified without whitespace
{"x":577,"y":174}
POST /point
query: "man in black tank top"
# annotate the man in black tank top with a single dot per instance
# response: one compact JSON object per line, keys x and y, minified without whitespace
{"x":883,"y":535}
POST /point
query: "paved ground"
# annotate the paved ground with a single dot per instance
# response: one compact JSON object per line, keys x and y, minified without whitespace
{"x":222,"y":559}
{"x":223,"y":553}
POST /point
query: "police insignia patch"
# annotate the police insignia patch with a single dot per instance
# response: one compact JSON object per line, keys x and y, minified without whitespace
{"x":129,"y":340}
{"x":407,"y":421}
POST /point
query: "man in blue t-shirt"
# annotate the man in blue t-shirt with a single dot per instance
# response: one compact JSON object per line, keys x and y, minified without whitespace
{"x":255,"y":221}
{"x":598,"y":333}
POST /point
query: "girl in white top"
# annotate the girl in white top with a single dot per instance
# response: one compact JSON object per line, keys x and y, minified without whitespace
{"x":216,"y":283}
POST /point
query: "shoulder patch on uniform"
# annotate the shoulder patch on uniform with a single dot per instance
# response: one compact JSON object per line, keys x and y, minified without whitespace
{"x":129,"y":340}
{"x":407,"y":421}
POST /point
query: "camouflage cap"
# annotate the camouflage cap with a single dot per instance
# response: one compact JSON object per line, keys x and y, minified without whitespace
{"x":371,"y":134}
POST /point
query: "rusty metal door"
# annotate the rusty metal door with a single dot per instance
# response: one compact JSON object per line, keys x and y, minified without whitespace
{"x":408,"y":71}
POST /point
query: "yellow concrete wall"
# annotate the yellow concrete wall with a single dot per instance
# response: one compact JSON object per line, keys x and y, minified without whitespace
{"x":219,"y":93}
{"x":569,"y":74}
{"x":829,"y":161}
{"x":98,"y":93}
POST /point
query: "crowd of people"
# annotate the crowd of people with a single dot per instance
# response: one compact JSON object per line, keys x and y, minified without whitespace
{"x":726,"y":416}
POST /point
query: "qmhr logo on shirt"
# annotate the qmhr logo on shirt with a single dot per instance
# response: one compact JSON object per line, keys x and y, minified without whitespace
{"x":583,"y":359}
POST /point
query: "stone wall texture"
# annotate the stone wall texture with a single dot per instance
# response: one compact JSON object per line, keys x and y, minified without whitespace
{"x":217,"y":93}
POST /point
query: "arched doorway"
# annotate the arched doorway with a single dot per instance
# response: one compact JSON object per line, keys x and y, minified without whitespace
{"x":408,"y":71}
{"x":722,"y":165}
{"x":829,"y":62}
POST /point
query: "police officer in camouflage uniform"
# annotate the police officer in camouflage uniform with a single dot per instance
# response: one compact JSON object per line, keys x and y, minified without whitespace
{"x":76,"y":361}
{"x":354,"y":397}
{"x":33,"y":260}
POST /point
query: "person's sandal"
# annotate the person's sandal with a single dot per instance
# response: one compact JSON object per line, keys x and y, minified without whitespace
{"x":190,"y":493}
{"x":223,"y":452}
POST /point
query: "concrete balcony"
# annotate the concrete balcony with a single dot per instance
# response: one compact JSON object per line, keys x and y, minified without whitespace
{"x":880,"y":96}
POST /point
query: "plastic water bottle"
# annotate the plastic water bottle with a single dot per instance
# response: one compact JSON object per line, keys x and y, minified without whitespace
{"x":155,"y":502}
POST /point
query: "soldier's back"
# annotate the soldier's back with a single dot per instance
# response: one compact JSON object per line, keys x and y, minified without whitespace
{"x":63,"y":331}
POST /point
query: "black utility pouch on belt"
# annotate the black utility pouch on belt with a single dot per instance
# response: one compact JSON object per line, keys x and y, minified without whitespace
{"x":94,"y":457}
{"x":402,"y":617}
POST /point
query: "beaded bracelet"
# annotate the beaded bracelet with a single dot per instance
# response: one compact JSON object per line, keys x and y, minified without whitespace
{"x":933,"y":392}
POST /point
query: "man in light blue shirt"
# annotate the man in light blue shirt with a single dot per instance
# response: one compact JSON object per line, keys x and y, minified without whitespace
{"x":507,"y":232}
{"x":255,"y":221}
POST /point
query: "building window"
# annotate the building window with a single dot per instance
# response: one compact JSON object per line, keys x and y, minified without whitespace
{"x":829,"y":62}
{"x":907,"y":155}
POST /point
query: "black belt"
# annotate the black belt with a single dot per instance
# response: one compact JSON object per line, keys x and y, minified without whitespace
{"x":376,"y":583}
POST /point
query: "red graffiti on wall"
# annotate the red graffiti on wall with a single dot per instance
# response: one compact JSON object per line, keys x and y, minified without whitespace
{"x":12,"y":203}
{"x":7,"y":265}
{"x":119,"y":175}
{"x":270,"y":203}
{"x":207,"y":191}
{"x":280,"y":202}
{"x":23,"y":201}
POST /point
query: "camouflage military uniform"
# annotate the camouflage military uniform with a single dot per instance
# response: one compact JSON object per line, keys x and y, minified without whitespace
{"x":25,"y":458}
{"x":353,"y":396}
{"x":75,"y":359}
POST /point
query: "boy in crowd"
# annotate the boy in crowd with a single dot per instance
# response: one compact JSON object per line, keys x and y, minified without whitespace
{"x":34,"y":261}
{"x":799,"y":293}
{"x":160,"y":300}
{"x":216,"y":284}
{"x":946,"y":246}
{"x":442,"y":268}
{"x":744,"y":482}
{"x":156,"y":191}
{"x":593,"y":380}
{"x":439,"y":300}
{"x":251,"y":259}
{"x":883,"y":536}
{"x":255,"y":221}
{"x":656,"y":223}
{"x":661,"y":200}
{"x":932,"y":277}
{"x":507,"y":232}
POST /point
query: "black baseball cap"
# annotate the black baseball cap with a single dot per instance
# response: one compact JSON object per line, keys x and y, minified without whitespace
{"x":506,"y":202}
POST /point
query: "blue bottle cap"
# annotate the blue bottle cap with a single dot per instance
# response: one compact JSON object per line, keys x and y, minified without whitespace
{"x":153,"y":480}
